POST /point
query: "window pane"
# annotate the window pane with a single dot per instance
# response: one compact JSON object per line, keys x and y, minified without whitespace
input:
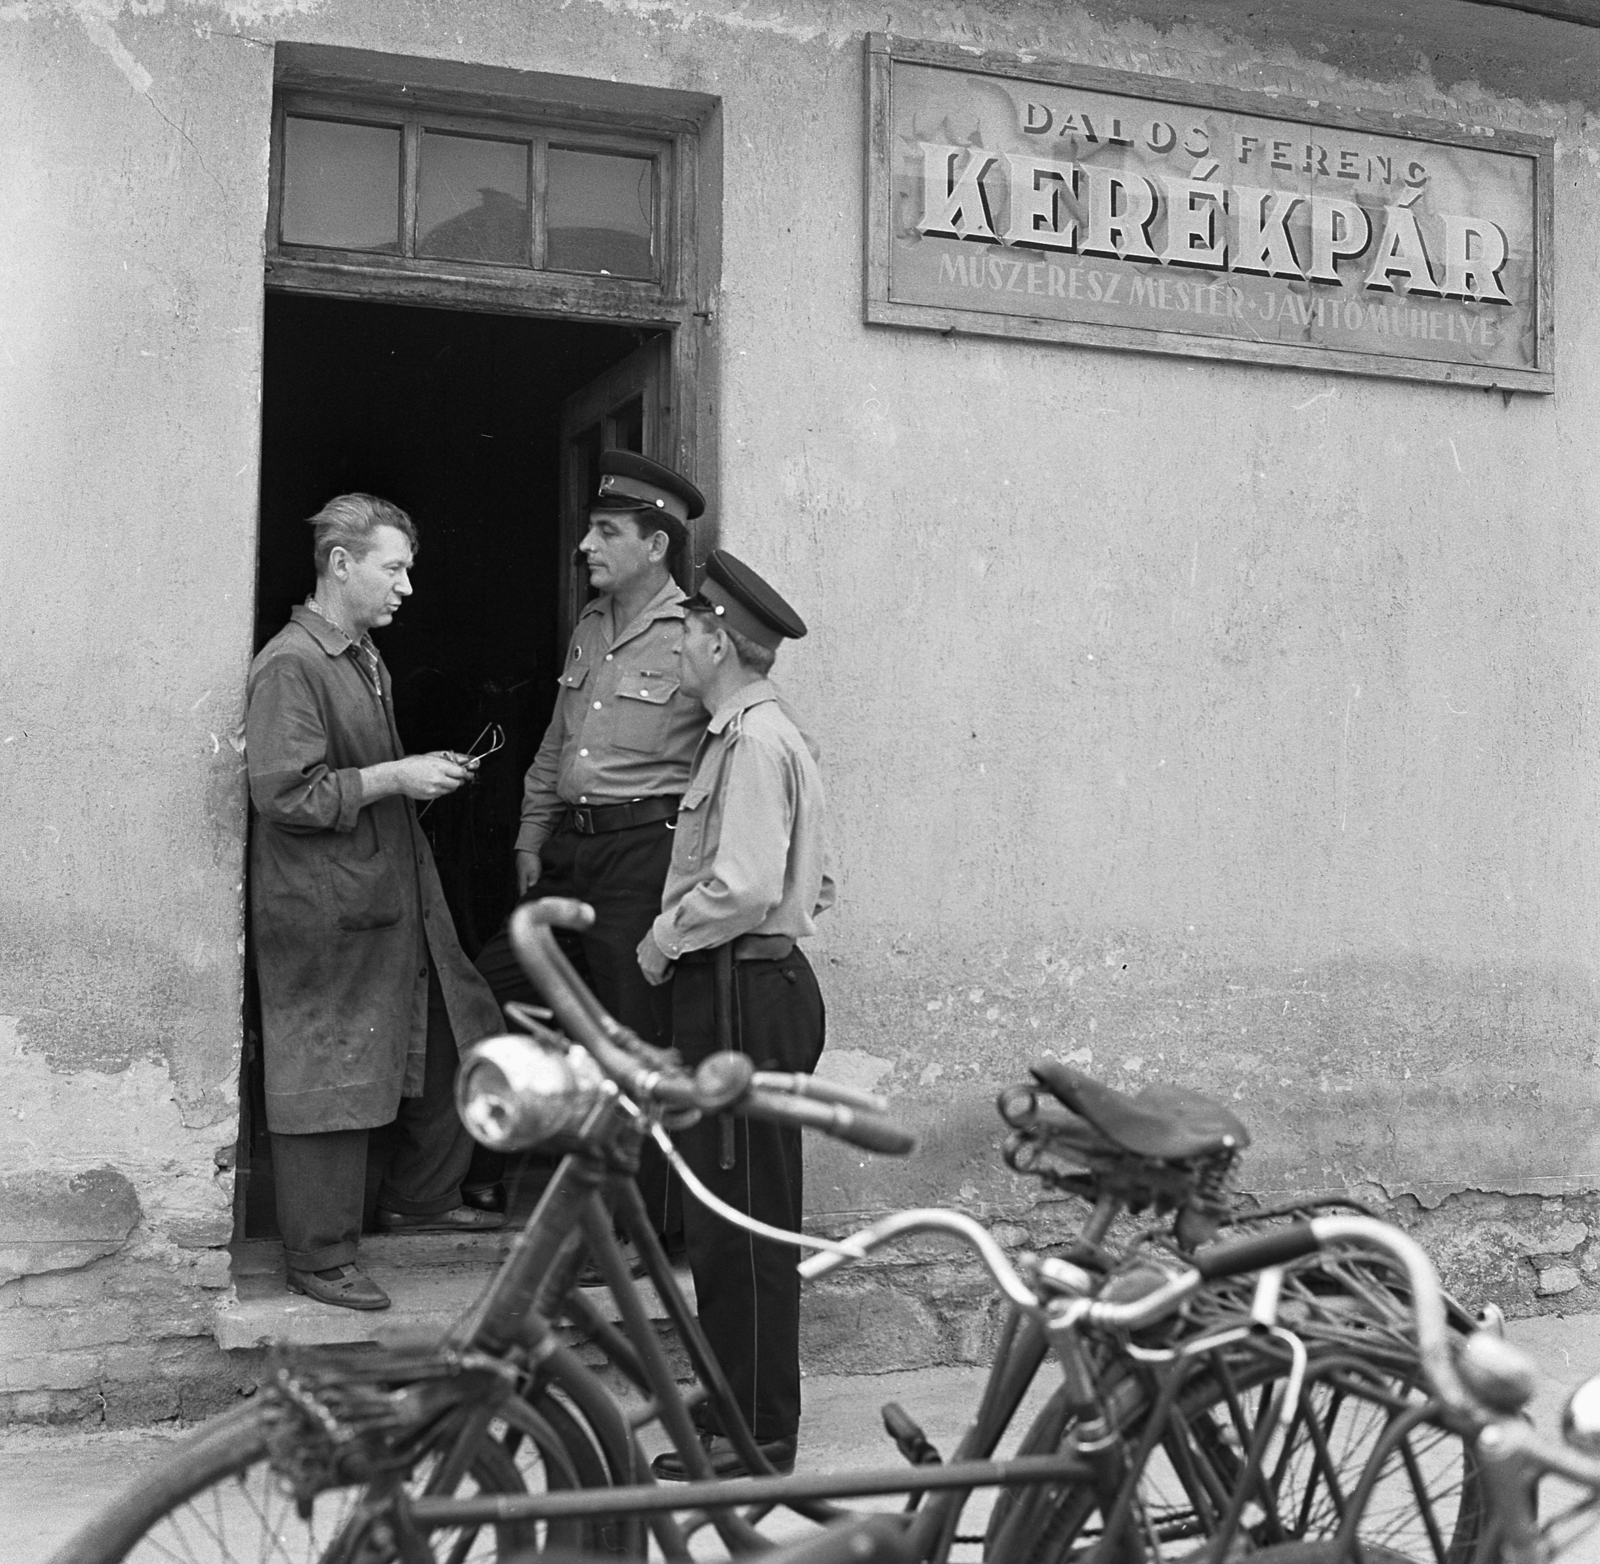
{"x":341,"y":185}
{"x":600,"y":214}
{"x":473,"y":199}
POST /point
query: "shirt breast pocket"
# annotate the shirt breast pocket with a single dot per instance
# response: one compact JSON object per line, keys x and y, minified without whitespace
{"x":691,"y":825}
{"x":644,"y":711}
{"x":572,"y":681}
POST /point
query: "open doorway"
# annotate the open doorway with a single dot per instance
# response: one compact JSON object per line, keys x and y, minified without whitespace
{"x":482,"y":427}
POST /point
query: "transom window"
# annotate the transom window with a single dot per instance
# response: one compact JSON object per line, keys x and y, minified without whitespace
{"x":363,"y":181}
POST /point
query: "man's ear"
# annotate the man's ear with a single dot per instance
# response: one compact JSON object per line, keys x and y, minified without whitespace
{"x":660,"y":546}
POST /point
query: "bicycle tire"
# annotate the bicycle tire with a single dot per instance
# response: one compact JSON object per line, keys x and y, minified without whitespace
{"x":1353,"y":1313}
{"x":1425,"y":1502}
{"x":216,"y":1497}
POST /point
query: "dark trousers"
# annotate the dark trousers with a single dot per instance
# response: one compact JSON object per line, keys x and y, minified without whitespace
{"x":747,"y":1288}
{"x":320,"y":1180}
{"x":620,"y":874}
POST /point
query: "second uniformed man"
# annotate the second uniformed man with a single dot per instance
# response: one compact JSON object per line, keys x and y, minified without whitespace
{"x":602,"y":793}
{"x":749,"y":875}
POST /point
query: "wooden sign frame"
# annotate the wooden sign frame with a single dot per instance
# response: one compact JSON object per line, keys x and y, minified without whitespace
{"x":1536,"y":312}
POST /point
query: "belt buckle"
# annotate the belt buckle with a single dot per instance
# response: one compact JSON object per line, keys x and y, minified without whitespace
{"x":583,"y":821}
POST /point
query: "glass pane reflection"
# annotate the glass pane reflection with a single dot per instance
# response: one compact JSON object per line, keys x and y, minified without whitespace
{"x":341,"y":185}
{"x":600,"y":214}
{"x":472,"y":202}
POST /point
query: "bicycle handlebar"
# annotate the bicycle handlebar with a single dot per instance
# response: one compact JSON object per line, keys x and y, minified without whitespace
{"x":859,"y":1126}
{"x":725,"y":1081}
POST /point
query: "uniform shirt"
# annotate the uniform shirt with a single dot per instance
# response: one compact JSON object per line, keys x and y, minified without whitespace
{"x":621,"y":729}
{"x":750,"y":855}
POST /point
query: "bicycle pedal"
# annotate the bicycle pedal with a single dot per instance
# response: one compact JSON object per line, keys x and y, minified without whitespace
{"x":908,"y":1437}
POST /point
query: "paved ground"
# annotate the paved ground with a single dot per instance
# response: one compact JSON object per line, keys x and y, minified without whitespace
{"x":49,"y":1483}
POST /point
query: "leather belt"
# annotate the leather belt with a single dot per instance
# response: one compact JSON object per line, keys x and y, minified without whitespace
{"x":748,"y":947}
{"x":597,"y":819}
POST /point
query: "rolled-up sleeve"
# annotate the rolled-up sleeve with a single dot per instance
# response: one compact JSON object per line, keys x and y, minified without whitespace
{"x":286,"y":747}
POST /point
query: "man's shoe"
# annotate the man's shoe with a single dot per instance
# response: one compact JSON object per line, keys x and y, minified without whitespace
{"x":484,"y":1197}
{"x":461,"y":1219}
{"x":590,"y":1275}
{"x":344,"y":1286}
{"x":725,"y":1460}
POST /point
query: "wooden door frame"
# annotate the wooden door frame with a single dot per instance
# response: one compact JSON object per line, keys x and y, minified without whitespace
{"x":648,"y":371}
{"x":682,"y":301}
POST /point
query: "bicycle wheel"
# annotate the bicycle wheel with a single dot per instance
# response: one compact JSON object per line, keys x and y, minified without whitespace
{"x":1356,"y":1437}
{"x":217,"y":1498}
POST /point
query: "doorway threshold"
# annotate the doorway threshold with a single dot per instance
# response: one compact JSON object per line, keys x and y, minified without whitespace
{"x":431,"y":1278}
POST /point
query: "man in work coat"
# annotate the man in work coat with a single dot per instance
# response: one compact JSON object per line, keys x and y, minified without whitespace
{"x":365,"y":991}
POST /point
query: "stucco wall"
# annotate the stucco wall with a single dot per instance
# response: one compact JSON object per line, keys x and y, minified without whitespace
{"x":1195,"y":721}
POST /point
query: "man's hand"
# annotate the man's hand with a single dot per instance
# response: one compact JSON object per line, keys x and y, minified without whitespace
{"x":528,"y":871}
{"x":653,"y":961}
{"x":417,"y":776}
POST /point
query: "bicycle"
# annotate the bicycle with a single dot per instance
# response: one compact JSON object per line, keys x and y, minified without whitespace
{"x":1480,"y":1387}
{"x":499,"y":1440}
{"x":1479,"y":1384}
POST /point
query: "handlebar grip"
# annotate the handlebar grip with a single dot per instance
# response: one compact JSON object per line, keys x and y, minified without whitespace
{"x":562,"y":912}
{"x":869,"y":1131}
{"x":1256,"y":1254}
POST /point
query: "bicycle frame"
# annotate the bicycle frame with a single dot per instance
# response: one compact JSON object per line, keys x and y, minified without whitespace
{"x":534,"y":1285}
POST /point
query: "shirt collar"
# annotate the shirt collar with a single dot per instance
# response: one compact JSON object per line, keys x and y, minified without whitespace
{"x":323,"y":631}
{"x":750,"y":695}
{"x":336,"y":643}
{"x":666,"y":604}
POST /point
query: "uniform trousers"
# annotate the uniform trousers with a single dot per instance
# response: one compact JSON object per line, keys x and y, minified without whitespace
{"x":747,"y":1288}
{"x":620,"y":874}
{"x":320,"y":1180}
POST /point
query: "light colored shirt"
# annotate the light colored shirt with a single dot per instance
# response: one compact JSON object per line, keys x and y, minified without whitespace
{"x":621,"y":729}
{"x":751,"y":851}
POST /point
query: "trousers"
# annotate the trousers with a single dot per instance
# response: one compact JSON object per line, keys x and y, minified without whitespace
{"x":320,"y":1180}
{"x":620,"y":874}
{"x":747,"y":1289}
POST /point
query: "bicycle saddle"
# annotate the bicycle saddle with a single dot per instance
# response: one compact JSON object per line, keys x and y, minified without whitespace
{"x":1170,"y":1123}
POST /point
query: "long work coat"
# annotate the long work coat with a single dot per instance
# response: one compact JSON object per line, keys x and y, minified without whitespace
{"x":345,"y":900}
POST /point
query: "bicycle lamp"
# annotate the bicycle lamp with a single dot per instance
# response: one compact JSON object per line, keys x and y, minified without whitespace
{"x":1580,"y":1421}
{"x":1498,"y":1374}
{"x":515,"y":1092}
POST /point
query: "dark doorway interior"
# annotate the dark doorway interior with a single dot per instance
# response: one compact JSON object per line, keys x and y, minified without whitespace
{"x":455,"y":417}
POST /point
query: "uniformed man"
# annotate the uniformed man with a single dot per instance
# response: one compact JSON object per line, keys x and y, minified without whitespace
{"x":749,"y":874}
{"x":602,"y":794}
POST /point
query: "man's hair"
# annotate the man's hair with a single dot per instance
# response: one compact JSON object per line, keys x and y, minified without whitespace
{"x":348,"y":522}
{"x":753,"y":656}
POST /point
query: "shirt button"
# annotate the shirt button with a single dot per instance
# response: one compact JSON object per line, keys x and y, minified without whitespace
{"x":608,"y":656}
{"x":423,"y":974}
{"x":583,"y":752}
{"x":583,"y":798}
{"x":597,"y":705}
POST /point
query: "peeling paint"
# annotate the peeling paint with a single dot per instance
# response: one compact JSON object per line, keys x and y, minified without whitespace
{"x":59,"y":1221}
{"x":103,"y":36}
{"x":136,"y":1127}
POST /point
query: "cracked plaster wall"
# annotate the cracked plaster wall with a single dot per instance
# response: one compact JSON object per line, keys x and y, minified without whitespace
{"x":1267,"y":766}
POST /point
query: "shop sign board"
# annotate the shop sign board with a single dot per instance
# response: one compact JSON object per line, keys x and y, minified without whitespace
{"x":1066,"y":203}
